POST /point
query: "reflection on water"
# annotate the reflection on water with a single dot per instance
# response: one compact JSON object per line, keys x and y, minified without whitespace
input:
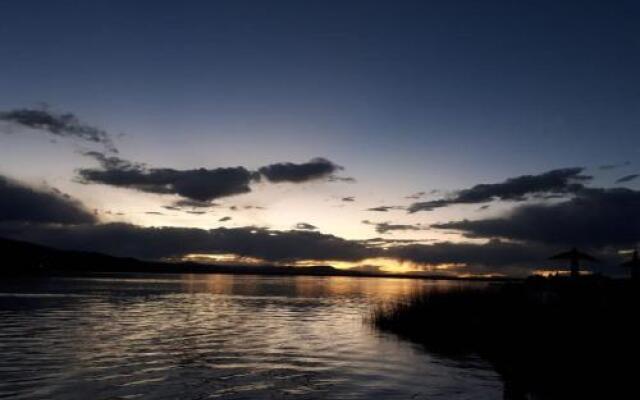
{"x":217,"y":336}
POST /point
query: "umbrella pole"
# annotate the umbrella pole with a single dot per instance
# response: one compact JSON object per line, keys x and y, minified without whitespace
{"x":575,"y":268}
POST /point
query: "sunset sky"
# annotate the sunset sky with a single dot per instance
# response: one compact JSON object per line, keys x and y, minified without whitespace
{"x":466,"y":137}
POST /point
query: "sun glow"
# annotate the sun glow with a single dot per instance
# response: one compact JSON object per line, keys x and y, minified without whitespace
{"x":226,"y":259}
{"x":392,"y":265}
{"x":370,"y":265}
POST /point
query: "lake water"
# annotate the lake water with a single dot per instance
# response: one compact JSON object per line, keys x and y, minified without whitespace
{"x":218,"y":337}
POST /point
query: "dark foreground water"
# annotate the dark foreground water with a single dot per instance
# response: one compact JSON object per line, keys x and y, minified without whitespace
{"x":218,"y":336}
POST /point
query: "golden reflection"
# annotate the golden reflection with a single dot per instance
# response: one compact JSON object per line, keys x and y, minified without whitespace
{"x":330,"y":287}
{"x":375,"y":288}
{"x":214,"y":283}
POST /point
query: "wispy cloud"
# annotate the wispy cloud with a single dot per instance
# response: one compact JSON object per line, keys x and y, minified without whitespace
{"x":317,"y":168}
{"x":607,"y":167}
{"x":305,"y":226}
{"x":415,"y":196}
{"x":385,"y":208}
{"x":559,"y":181}
{"x":58,"y":124}
{"x":627,"y":178}
{"x":386,"y":227}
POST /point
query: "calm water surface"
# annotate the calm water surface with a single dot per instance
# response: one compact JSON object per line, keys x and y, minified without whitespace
{"x":218,"y":336}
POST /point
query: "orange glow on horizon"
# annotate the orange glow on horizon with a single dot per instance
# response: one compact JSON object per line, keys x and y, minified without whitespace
{"x":225,"y":258}
{"x":374,"y":265}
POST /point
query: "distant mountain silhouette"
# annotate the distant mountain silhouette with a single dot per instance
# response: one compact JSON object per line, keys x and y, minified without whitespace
{"x":23,"y":258}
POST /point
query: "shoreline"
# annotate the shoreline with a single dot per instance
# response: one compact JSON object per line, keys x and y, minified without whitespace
{"x":548,"y":338}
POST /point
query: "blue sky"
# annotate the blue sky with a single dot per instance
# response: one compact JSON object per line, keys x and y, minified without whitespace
{"x":407,"y":96}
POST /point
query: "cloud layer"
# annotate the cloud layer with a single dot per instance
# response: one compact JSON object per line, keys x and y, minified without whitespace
{"x":197,"y":186}
{"x":201,"y":184}
{"x":52,"y":219}
{"x":387,"y":227}
{"x":494,"y":257}
{"x":156,"y":243}
{"x":628,"y":178}
{"x":20,"y":203}
{"x":515,"y":242}
{"x":555,"y":182}
{"x":63,"y":125}
{"x":384,"y":208}
{"x":305,"y":226}
{"x":317,"y":168}
{"x":593,"y":218}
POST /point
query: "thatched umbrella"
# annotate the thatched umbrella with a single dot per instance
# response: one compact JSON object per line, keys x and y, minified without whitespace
{"x":574,"y":256}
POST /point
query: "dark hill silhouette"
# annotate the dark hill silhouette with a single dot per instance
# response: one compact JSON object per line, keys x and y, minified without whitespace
{"x":23,"y":258}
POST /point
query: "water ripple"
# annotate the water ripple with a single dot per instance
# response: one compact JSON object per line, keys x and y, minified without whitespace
{"x":216,"y":337}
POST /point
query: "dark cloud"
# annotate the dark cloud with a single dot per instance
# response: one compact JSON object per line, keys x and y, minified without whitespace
{"x":188,"y":203}
{"x":249,"y":207}
{"x":627,"y":178}
{"x":154,"y":213}
{"x":192,"y":211}
{"x":21,"y":203}
{"x":415,"y":196}
{"x":346,"y":179}
{"x":317,"y":168}
{"x":190,"y":206}
{"x":127,"y":240}
{"x":559,"y":181}
{"x":593,"y":218}
{"x":224,"y":219}
{"x":495,"y":256}
{"x":385,"y":242}
{"x":348,"y":199}
{"x":305,"y":226}
{"x":386,"y":227}
{"x":64,"y":125}
{"x":40,"y":217}
{"x":614,"y":166}
{"x":384,"y":208}
{"x":200,"y":185}
{"x":160,"y":242}
{"x":108,"y":212}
